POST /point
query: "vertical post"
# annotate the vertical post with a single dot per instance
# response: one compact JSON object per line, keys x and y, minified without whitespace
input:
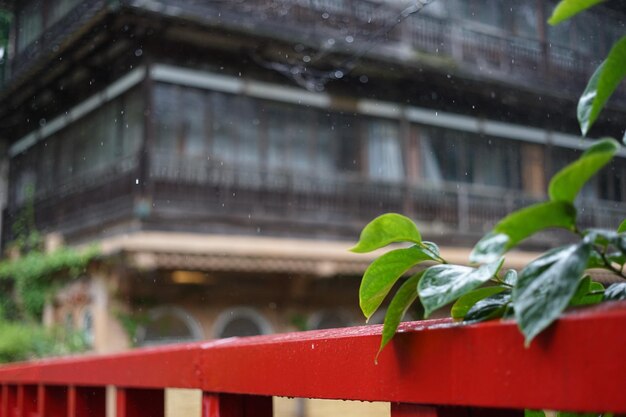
{"x":52,"y":401}
{"x":26,"y":400}
{"x":132,"y":402}
{"x":9,"y":399}
{"x":86,"y":402}
{"x":236,"y":405}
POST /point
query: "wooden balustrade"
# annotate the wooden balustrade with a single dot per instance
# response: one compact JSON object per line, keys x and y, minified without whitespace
{"x":432,"y":368}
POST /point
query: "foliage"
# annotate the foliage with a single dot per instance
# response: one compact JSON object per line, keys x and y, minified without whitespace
{"x":35,"y":274}
{"x":607,"y":76}
{"x":26,"y":340}
{"x":542,"y":290}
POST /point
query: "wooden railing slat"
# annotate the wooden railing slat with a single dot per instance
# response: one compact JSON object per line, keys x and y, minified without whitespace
{"x":236,"y":405}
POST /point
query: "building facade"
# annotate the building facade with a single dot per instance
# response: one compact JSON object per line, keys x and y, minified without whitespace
{"x":225,"y":155}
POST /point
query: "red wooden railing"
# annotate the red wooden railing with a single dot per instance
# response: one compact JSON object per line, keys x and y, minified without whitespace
{"x":433,"y":368}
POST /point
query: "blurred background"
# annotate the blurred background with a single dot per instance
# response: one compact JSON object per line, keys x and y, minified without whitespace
{"x":176,"y":171}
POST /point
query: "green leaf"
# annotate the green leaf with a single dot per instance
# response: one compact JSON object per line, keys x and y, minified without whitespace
{"x":568,"y":8}
{"x":615,"y":292}
{"x":466,"y":302}
{"x":546,"y":286}
{"x":586,"y":292}
{"x":622,"y":227}
{"x":383,"y":273}
{"x":568,"y":414}
{"x":400,"y":303}
{"x":534,"y":413}
{"x":387,"y":229}
{"x":510,"y":277}
{"x":566,"y":183}
{"x":442,"y":284}
{"x":601,"y":85}
{"x":521,"y":224}
{"x":489,"y":308}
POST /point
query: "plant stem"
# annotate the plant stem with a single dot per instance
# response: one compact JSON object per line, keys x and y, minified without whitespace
{"x":609,"y":265}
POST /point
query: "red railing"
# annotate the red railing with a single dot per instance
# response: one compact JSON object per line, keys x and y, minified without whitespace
{"x":433,"y":368}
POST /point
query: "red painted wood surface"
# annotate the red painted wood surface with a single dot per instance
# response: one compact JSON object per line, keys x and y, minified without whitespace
{"x":86,"y":401}
{"x":579,"y":364}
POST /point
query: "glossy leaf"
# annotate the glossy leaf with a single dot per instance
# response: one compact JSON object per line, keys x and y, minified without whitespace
{"x":568,"y":8}
{"x":587,"y":293}
{"x":406,"y":295}
{"x":521,"y":224}
{"x":510,"y":277}
{"x":489,"y":308}
{"x":615,"y":292}
{"x":386,"y":229}
{"x":466,"y":302}
{"x":546,"y":286}
{"x":622,"y":227}
{"x":601,"y":85}
{"x":566,"y":183}
{"x":568,"y":414}
{"x":534,"y":413}
{"x":442,"y":284}
{"x":384,"y":272}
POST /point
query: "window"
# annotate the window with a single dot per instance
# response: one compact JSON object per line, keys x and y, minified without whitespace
{"x":30,"y":24}
{"x":241,"y":321}
{"x":462,"y":157}
{"x":168,"y":325}
{"x":384,"y":151}
{"x":330,"y":319}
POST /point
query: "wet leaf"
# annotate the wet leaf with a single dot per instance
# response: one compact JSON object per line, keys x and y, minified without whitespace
{"x":521,"y":224}
{"x":568,"y":414}
{"x":601,"y":85}
{"x":384,"y":272}
{"x":568,"y":8}
{"x":615,"y":292}
{"x":510,"y":277}
{"x":546,"y":286}
{"x":466,"y":302}
{"x":622,"y":227}
{"x":489,"y":308}
{"x":386,"y":229}
{"x":585,"y":293}
{"x":406,"y":295}
{"x":442,"y":284}
{"x":566,"y":183}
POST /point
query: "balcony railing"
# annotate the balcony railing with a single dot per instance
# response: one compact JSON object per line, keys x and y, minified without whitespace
{"x":342,"y":200}
{"x":432,"y":368}
{"x":371,"y":26}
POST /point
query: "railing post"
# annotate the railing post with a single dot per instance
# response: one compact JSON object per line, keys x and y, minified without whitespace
{"x":132,"y":402}
{"x":26,"y":400}
{"x":9,"y":401}
{"x":52,"y":401}
{"x":86,"y":402}
{"x":236,"y":405}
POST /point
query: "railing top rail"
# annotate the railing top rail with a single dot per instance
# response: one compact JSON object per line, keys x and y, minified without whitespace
{"x":576,"y":365}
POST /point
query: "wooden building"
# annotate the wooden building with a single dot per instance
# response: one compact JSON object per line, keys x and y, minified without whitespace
{"x":225,"y":154}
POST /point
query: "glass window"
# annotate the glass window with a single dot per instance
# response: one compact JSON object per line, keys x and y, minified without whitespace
{"x":241,"y":321}
{"x":30,"y":24}
{"x":59,"y":8}
{"x":225,"y":123}
{"x":384,"y":151}
{"x":168,"y":325}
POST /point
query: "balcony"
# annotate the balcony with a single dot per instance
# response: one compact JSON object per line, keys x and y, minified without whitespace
{"x":358,"y":26}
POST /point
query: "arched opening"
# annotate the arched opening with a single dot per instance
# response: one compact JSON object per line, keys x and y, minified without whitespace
{"x":168,"y":325}
{"x":241,"y":321}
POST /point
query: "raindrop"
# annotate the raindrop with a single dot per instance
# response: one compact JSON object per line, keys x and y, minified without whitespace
{"x":363,"y":79}
{"x":138,"y":52}
{"x":42,"y":122}
{"x":338,"y":74}
{"x":349,"y":39}
{"x":306,"y":58}
{"x":137,"y":181}
{"x":325,"y":15}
